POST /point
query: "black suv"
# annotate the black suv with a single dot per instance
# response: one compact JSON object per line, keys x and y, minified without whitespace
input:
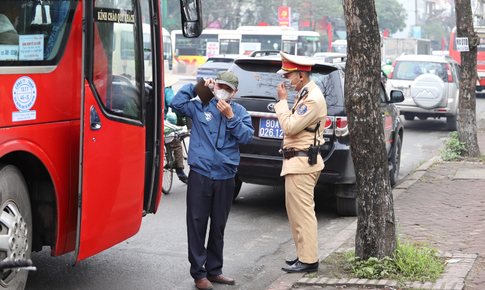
{"x":260,"y":161}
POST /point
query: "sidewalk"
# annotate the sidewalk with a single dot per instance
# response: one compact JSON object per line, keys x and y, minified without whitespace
{"x":441,"y":204}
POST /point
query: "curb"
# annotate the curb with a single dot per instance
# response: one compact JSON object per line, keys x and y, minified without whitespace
{"x":453,"y":278}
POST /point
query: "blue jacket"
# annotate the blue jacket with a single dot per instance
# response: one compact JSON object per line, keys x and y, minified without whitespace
{"x":214,"y":140}
{"x":168,"y":96}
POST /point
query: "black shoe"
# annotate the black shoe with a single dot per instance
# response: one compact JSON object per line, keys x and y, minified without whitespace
{"x":300,"y":267}
{"x":181,"y":175}
{"x":291,"y":262}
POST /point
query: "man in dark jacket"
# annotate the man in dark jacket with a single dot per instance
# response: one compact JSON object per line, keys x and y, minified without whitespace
{"x":218,"y":128}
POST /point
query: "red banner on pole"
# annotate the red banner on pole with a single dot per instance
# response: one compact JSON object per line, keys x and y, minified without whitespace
{"x":329,"y":33}
{"x":284,"y":16}
{"x":385,"y":33}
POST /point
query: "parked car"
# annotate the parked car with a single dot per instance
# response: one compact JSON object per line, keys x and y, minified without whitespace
{"x":260,"y":161}
{"x":332,"y":56}
{"x":430,"y":85}
{"x":215,"y":65}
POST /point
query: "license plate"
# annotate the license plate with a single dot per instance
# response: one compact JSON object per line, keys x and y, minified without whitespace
{"x":270,"y":128}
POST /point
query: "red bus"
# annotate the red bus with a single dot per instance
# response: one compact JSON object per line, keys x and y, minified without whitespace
{"x":81,"y":119}
{"x":480,"y":55}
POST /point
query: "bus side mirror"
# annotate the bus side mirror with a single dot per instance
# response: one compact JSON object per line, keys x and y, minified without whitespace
{"x":177,"y":52}
{"x":191,"y":18}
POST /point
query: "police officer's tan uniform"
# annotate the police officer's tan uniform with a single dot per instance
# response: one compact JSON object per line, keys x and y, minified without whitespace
{"x":300,"y":176}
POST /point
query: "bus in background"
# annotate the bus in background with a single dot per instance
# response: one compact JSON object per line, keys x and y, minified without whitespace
{"x":286,"y":39}
{"x":124,"y":51}
{"x":340,"y":46}
{"x":167,"y":50}
{"x":480,"y":56}
{"x":189,"y":54}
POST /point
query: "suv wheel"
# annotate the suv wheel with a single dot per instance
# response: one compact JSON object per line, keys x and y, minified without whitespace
{"x":346,"y":202}
{"x":396,"y":160}
{"x":452,"y":123}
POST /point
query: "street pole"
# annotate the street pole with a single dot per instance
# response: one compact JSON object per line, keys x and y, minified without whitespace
{"x":416,"y":12}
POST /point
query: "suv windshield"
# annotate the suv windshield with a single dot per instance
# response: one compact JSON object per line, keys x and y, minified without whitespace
{"x":410,"y":70}
{"x":260,"y":80}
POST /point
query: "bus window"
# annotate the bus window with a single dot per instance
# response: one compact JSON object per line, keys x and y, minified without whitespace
{"x":194,"y":46}
{"x":481,"y":45}
{"x":202,"y":43}
{"x":268,"y":42}
{"x":308,"y":46}
{"x":127,"y":44}
{"x":115,"y":76}
{"x":229,"y":46}
{"x":289,"y":47}
{"x":34,"y":34}
{"x":167,"y":51}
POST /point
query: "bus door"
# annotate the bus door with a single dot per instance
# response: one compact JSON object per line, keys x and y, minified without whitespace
{"x":119,"y":152}
{"x":289,"y":43}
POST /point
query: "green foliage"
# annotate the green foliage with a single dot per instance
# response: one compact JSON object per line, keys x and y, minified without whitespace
{"x":418,"y":263}
{"x":409,"y":263}
{"x":235,"y":13}
{"x":373,"y":268}
{"x":435,"y":31}
{"x":316,"y":10}
{"x":454,"y":149}
{"x":391,"y":15}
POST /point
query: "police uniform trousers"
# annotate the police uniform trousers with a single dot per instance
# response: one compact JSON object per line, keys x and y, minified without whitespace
{"x":207,"y":198}
{"x":300,"y":207}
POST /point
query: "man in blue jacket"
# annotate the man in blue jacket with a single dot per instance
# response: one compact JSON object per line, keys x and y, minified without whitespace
{"x":218,"y":128}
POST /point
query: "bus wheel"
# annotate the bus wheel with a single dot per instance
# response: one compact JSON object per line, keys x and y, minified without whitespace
{"x":15,"y":225}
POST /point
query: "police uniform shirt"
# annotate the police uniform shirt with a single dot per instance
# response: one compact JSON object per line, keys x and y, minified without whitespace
{"x":311,"y":109}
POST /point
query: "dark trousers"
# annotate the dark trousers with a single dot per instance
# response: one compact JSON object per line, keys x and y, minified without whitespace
{"x":206,"y":199}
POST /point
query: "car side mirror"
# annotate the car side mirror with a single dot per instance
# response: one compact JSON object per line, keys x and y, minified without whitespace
{"x":191,"y":18}
{"x":397,"y":96}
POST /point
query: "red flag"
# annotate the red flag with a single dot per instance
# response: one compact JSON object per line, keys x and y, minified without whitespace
{"x":329,"y":33}
{"x":385,"y":33}
{"x":443,"y":46}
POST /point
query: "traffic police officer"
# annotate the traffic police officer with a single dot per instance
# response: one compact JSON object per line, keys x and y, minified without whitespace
{"x":302,"y":126}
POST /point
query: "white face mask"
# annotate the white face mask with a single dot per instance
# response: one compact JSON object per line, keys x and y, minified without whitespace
{"x":222,"y":95}
{"x":288,"y":84}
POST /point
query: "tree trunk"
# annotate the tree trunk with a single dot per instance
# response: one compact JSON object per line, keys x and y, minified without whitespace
{"x":467,"y":122}
{"x":376,"y":230}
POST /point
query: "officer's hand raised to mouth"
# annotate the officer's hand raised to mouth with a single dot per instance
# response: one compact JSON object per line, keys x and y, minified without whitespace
{"x":282,"y":92}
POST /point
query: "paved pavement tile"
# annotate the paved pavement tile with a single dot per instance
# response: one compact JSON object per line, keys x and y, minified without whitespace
{"x":447,"y":213}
